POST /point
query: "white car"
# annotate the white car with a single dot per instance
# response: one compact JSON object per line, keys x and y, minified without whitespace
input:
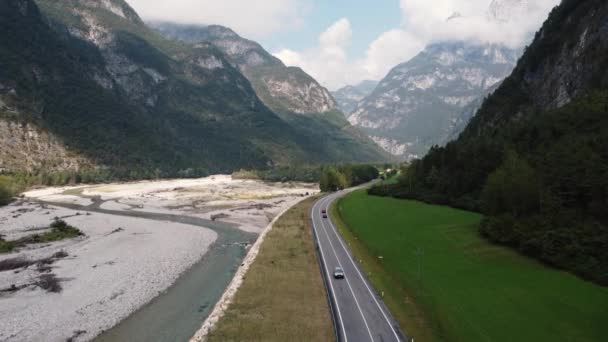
{"x":339,"y":273}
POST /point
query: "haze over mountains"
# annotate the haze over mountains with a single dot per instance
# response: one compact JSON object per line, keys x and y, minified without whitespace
{"x":429,"y":99}
{"x":93,"y":82}
{"x":348,"y":97}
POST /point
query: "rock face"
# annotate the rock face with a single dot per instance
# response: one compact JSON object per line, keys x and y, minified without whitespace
{"x":418,"y":103}
{"x":563,"y":63}
{"x":288,"y":91}
{"x":281,"y":88}
{"x":25,"y":147}
{"x":348,"y":97}
{"x":98,"y":81}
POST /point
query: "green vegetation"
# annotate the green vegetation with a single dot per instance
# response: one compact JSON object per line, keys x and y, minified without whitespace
{"x":194,"y":122}
{"x":7,"y":191}
{"x":60,"y":230}
{"x":539,"y":175}
{"x":299,"y":173}
{"x":542,"y":181}
{"x":282,"y":297}
{"x":444,"y":282}
{"x":340,"y":177}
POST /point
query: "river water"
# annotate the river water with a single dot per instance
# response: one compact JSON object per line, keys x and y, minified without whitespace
{"x":176,"y":314}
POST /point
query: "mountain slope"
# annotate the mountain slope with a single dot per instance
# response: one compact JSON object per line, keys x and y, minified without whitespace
{"x":415,"y":106}
{"x":283,"y":89}
{"x":290,"y":92}
{"x":348,"y":97}
{"x":535,"y":156}
{"x":95,"y":79}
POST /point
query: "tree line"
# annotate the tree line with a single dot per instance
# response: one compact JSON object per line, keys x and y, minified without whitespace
{"x":335,"y":178}
{"x":541,"y":181}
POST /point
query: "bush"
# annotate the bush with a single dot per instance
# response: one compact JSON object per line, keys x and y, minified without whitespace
{"x":49,"y":282}
{"x":6,"y":190}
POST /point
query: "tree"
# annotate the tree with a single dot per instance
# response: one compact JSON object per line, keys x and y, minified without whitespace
{"x":332,"y":180}
{"x":512,"y":188}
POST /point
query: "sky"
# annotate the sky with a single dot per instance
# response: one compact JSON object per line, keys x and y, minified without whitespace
{"x":343,"y":42}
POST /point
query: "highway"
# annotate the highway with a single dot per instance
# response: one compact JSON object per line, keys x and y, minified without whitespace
{"x":360,"y":314}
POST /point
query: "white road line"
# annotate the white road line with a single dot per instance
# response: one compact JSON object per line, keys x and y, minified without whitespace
{"x":347,"y":282}
{"x":363,"y":279}
{"x":312,"y":216}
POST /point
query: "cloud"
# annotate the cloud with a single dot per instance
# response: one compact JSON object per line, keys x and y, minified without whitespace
{"x":254,"y":19}
{"x":508,"y":22}
{"x":388,"y":50}
{"x":329,"y":63}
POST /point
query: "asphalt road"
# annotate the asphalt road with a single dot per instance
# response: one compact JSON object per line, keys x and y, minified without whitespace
{"x":360,"y":313}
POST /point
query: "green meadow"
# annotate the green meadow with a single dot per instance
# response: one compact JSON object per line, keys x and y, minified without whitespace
{"x":443,"y":282}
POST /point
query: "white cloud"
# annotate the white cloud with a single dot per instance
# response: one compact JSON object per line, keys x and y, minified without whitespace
{"x":254,"y":19}
{"x":388,"y":50}
{"x":509,"y":22}
{"x":329,"y":64}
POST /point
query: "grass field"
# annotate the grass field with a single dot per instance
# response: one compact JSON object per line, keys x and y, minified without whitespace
{"x":282,"y":297}
{"x":445,"y":283}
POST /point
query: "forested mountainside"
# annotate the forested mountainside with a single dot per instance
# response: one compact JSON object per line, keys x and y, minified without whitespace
{"x":93,"y":80}
{"x":290,"y":92}
{"x":534,"y":158}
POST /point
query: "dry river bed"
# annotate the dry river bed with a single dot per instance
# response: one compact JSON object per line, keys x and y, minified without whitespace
{"x":154,"y":258}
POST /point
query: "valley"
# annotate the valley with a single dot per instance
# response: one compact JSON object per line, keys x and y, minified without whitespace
{"x":303,"y":170}
{"x":442,"y":281}
{"x":147,"y":248}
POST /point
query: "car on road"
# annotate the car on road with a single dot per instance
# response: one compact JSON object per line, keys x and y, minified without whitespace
{"x":339,"y":273}
{"x":323,"y":211}
{"x":324,"y":215}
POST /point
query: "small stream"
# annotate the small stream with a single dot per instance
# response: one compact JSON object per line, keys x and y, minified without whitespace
{"x":177,"y":313}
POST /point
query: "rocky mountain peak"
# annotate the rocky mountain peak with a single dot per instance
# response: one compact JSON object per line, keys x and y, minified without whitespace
{"x":283,"y":89}
{"x":418,"y":104}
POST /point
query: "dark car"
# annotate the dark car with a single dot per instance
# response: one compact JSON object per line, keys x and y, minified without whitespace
{"x":324,"y":215}
{"x":339,"y":273}
{"x":323,"y":211}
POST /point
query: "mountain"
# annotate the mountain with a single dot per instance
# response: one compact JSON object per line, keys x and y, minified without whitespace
{"x":416,"y":105}
{"x":534,"y":158}
{"x":348,"y":97}
{"x":290,"y":92}
{"x":93,"y":81}
{"x":283,"y":89}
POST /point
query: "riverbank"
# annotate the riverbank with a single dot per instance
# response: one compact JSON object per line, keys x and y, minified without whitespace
{"x":282,"y":297}
{"x":140,"y":238}
{"x":118,"y":265}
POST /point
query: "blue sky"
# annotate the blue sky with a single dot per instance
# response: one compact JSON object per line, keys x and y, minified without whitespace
{"x":342,"y":42}
{"x":367,"y":23}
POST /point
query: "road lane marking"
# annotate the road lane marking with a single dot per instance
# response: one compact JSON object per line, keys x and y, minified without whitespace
{"x":326,"y":270}
{"x":347,"y":282}
{"x":361,"y":276}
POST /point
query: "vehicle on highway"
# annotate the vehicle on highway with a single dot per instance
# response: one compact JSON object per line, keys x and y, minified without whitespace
{"x":339,"y":273}
{"x":323,"y":211}
{"x":324,"y":215}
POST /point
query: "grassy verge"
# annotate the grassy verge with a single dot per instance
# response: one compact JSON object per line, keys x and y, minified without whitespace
{"x":442,"y":281}
{"x":282,"y":297}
